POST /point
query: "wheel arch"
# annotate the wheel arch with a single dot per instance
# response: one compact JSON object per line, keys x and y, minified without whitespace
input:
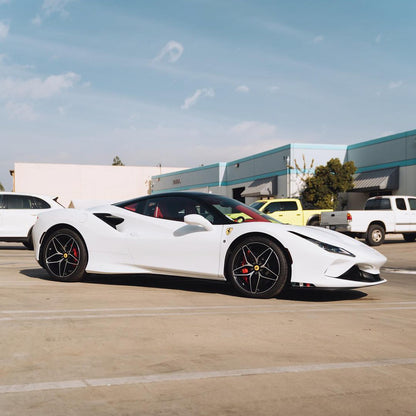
{"x":258,"y":234}
{"x":57,"y":227}
{"x":313,"y":218}
{"x":377,"y":222}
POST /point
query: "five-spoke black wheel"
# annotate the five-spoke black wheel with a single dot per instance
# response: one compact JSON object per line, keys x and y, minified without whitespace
{"x":64,"y":255}
{"x":257,"y":267}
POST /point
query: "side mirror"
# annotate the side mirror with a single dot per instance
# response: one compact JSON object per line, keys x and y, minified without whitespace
{"x":195,"y":219}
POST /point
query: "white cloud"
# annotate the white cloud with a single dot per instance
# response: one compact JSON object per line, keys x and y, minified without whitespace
{"x":318,"y":39}
{"x":20,"y":111}
{"x":395,"y":84}
{"x":173,"y":49}
{"x":36,"y":88}
{"x":243,"y":89}
{"x":4,"y":30}
{"x":378,"y":38}
{"x":50,"y":7}
{"x":37,"y":20}
{"x":190,"y":101}
{"x":274,"y":89}
{"x":4,"y":2}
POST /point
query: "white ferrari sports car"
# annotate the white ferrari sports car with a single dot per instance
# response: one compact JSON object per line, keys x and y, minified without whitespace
{"x":201,"y":235}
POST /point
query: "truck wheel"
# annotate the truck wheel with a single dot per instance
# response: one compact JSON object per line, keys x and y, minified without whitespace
{"x":409,"y":237}
{"x":375,"y":235}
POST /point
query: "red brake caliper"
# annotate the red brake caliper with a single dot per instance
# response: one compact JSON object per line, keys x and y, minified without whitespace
{"x":245,"y":269}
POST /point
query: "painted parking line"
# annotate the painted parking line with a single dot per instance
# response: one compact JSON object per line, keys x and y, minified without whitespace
{"x":202,"y":375}
{"x":399,"y":271}
{"x":195,"y":311}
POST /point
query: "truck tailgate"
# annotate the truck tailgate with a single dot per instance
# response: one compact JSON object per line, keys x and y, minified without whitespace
{"x":334,"y":218}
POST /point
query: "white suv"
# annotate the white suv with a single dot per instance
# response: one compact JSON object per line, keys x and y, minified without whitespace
{"x":18,"y":214}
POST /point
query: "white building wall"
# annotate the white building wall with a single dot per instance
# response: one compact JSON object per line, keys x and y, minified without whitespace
{"x":85,"y":182}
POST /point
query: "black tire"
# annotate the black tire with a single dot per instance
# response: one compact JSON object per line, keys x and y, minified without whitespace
{"x":409,"y":237}
{"x":314,"y":223}
{"x":257,"y":268}
{"x":375,"y":235}
{"x":64,"y":255}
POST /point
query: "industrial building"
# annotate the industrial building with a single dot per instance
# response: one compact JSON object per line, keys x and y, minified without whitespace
{"x":84,"y":185}
{"x":386,"y":165}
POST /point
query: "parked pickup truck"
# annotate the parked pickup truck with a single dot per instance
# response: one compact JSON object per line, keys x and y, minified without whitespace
{"x":381,"y":215}
{"x":289,"y":211}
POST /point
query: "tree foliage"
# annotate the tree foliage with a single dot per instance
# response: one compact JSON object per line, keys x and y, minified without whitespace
{"x":117,"y":162}
{"x":1,"y":187}
{"x":322,"y":189}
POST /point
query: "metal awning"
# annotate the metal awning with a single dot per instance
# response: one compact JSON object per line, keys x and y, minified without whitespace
{"x":261,"y":187}
{"x":377,"y":180}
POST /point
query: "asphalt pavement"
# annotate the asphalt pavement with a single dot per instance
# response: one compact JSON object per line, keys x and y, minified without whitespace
{"x":146,"y":345}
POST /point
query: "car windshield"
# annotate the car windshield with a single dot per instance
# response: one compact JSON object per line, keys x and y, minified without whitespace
{"x":236,"y":210}
{"x":257,"y":204}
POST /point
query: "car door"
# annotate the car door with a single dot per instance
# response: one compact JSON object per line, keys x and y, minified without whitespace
{"x":17,"y":217}
{"x":160,"y":241}
{"x":2,"y":210}
{"x":402,"y":215}
{"x":19,"y":214}
{"x":412,"y":213}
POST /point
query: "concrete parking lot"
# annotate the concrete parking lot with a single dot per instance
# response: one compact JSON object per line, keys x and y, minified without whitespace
{"x":143,"y":345}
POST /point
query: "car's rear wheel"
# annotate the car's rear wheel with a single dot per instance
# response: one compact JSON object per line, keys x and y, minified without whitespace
{"x":64,"y":255}
{"x":257,"y":267}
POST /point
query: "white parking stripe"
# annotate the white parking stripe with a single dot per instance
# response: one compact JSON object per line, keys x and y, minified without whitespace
{"x":178,"y":376}
{"x":244,"y":311}
{"x":398,"y":271}
{"x":177,"y":308}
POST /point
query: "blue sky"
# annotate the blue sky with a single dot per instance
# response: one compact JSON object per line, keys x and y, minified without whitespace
{"x":191,"y":82}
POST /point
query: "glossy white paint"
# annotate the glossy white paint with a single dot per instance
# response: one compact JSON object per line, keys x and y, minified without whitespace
{"x":16,"y":222}
{"x":197,"y":248}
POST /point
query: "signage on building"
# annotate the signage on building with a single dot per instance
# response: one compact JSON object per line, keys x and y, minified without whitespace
{"x":176,"y":181}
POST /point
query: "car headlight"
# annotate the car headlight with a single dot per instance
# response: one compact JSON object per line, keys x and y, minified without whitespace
{"x":326,"y":246}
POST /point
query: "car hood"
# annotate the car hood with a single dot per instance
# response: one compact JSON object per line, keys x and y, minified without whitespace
{"x":330,"y":237}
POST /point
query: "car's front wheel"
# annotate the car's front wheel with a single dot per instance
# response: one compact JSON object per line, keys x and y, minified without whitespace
{"x":64,"y":255}
{"x":257,"y":267}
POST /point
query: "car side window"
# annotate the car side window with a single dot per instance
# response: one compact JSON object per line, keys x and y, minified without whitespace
{"x":401,"y":204}
{"x":289,"y":206}
{"x":412,"y":203}
{"x":37,"y":203}
{"x":272,"y":207}
{"x":171,"y":208}
{"x":2,"y":202}
{"x":24,"y":202}
{"x":16,"y":202}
